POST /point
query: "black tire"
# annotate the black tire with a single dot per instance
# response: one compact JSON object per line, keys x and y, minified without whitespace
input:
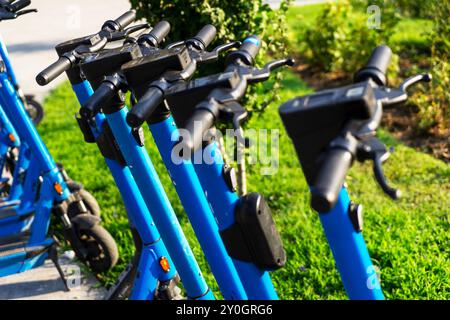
{"x":88,"y":199}
{"x":34,"y":109}
{"x":102,"y":252}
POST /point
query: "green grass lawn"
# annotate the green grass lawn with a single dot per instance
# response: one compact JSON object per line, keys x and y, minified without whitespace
{"x":408,"y":240}
{"x":409,"y":33}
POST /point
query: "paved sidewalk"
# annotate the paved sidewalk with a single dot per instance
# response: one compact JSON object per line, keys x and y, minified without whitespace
{"x":44,"y":283}
{"x":31,"y":39}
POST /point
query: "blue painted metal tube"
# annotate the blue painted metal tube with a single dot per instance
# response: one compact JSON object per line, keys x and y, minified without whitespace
{"x":22,"y":165}
{"x":145,"y":289}
{"x":350,"y":252}
{"x":30,"y":187}
{"x":5,"y":57}
{"x":194,"y":201}
{"x":3,"y":154}
{"x":41,"y":221}
{"x":18,"y":116}
{"x":223,"y":200}
{"x":138,"y":215}
{"x":155,"y":197}
{"x":7,"y":129}
{"x":8,"y":138}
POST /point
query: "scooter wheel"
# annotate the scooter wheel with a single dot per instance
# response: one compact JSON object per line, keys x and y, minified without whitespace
{"x":88,"y":199}
{"x":34,"y":109}
{"x":102,"y":253}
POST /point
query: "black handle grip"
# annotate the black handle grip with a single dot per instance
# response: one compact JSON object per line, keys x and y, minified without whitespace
{"x":206,"y":35}
{"x":160,"y":31}
{"x":330,"y":179}
{"x":200,"y":121}
{"x":18,"y":5}
{"x":102,"y":95}
{"x":247,"y":52}
{"x":145,"y":107}
{"x":376,"y":67}
{"x":126,"y":19}
{"x":53,"y":71}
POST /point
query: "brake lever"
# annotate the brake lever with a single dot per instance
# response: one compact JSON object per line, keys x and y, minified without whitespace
{"x":389,"y":96}
{"x":263,"y":74}
{"x":21,"y":13}
{"x":121,"y":35}
{"x":205,"y":57}
{"x":373,"y":149}
{"x":174,"y":45}
{"x":393,"y":193}
{"x":425,"y":77}
{"x":97,"y":43}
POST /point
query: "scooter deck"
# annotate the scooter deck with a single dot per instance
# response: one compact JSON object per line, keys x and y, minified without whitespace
{"x":14,"y":220}
{"x":19,"y":256}
{"x":8,"y":203}
{"x":15,"y":238}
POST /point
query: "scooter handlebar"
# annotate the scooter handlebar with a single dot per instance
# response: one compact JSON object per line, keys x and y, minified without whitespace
{"x":247,"y":52}
{"x":145,"y":107}
{"x":92,"y":106}
{"x":160,"y":31}
{"x":330,"y":179}
{"x":20,"y":4}
{"x":53,"y":71}
{"x":126,"y":19}
{"x":376,"y":67}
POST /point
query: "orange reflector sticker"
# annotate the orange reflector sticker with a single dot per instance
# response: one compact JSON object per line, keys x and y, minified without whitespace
{"x":58,"y":188}
{"x":11,"y":137}
{"x":164,"y":263}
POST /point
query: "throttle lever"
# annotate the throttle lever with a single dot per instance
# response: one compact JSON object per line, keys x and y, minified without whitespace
{"x":263,"y":74}
{"x":233,"y":112}
{"x":373,"y":149}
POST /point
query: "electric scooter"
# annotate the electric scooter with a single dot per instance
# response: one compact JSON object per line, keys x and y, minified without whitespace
{"x":246,"y":225}
{"x":183,"y":176}
{"x":330,"y":129}
{"x":24,"y":239}
{"x":152,"y":262}
{"x":11,"y":10}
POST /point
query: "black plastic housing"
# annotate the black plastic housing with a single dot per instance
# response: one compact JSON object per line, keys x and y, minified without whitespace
{"x":108,"y":61}
{"x":146,"y":69}
{"x":254,"y":237}
{"x":313,"y":121}
{"x":184,"y":97}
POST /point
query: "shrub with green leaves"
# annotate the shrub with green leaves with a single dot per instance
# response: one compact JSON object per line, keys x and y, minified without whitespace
{"x":341,"y":39}
{"x":434,"y":100}
{"x":234,"y":20}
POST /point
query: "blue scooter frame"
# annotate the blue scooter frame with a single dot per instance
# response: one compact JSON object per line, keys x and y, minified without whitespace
{"x":188,"y":188}
{"x":142,"y":219}
{"x":350,"y":252}
{"x":149,"y":270}
{"x":53,"y":188}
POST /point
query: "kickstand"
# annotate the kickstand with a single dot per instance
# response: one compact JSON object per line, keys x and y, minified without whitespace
{"x":53,"y":255}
